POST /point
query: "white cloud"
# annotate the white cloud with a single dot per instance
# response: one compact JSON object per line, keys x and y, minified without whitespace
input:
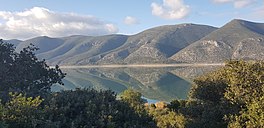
{"x":131,"y":20}
{"x":170,"y":9}
{"x":222,"y":1}
{"x":237,"y":3}
{"x":41,"y":21}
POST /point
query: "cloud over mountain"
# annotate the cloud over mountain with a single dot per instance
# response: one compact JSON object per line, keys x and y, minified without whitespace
{"x":41,"y":21}
{"x":170,"y":9}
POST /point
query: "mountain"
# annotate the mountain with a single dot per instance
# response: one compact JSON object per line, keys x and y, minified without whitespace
{"x":154,"y":45}
{"x":44,"y":43}
{"x":237,"y":39}
{"x":182,"y":43}
{"x":78,"y":50}
{"x":15,"y":42}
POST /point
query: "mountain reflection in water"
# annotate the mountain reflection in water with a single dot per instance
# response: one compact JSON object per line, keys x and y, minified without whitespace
{"x":163,"y":84}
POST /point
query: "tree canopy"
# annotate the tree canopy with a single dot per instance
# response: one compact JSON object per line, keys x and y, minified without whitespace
{"x":233,"y":95}
{"x":23,"y":72}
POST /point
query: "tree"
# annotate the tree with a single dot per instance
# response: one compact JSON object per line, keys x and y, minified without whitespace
{"x":231,"y":96}
{"x":207,"y":105}
{"x":22,"y":72}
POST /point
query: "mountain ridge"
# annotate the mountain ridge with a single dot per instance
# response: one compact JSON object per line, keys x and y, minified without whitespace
{"x":182,"y":43}
{"x":154,"y":45}
{"x":237,"y":39}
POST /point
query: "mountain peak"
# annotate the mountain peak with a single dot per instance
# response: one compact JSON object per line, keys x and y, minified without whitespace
{"x":236,"y":23}
{"x":237,"y":20}
{"x":242,"y":24}
{"x":238,"y":39}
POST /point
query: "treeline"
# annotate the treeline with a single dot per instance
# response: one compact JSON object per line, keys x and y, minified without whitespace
{"x":233,"y":97}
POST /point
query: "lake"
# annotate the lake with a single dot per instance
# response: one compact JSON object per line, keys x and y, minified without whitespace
{"x":163,"y":84}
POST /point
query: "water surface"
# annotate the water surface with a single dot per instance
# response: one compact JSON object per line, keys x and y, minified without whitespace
{"x":163,"y":84}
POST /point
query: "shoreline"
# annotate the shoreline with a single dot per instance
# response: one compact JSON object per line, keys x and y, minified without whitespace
{"x":140,"y":65}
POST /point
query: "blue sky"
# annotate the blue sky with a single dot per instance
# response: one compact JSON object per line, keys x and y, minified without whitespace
{"x":24,"y":19}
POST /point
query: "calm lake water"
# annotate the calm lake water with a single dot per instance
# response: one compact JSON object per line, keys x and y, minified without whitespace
{"x":163,"y":84}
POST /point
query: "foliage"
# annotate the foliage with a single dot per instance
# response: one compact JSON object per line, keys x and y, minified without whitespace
{"x":245,"y":81}
{"x":134,"y":99}
{"x":210,"y":87}
{"x":165,"y":118}
{"x":2,"y":123}
{"x":89,"y":108}
{"x":231,"y":96}
{"x":207,"y":105}
{"x":246,"y":89}
{"x":21,"y":111}
{"x":251,"y":116}
{"x":24,"y":73}
{"x":71,"y":109}
{"x":176,"y":105}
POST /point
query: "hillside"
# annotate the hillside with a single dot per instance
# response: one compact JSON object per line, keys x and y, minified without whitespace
{"x":237,"y":39}
{"x":182,"y":43}
{"x":155,"y":45}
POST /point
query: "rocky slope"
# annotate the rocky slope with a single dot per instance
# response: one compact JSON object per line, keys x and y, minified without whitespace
{"x":156,"y":45}
{"x":237,"y":39}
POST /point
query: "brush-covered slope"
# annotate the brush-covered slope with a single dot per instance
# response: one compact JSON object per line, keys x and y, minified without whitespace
{"x":156,"y":45}
{"x":43,"y":42}
{"x":84,"y":50}
{"x":237,"y":39}
{"x":73,"y":50}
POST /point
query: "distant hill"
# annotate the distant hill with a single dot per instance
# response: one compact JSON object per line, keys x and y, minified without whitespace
{"x":82,"y":50}
{"x":237,"y":39}
{"x":15,"y":42}
{"x":44,"y":43}
{"x":182,"y":43}
{"x":155,"y":45}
